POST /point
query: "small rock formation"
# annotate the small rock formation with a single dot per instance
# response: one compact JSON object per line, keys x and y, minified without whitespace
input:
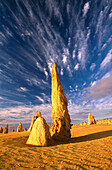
{"x":60,"y":129}
{"x":40,"y":135}
{"x":13,"y":130}
{"x":25,"y":129}
{"x":5,"y":129}
{"x":81,"y":124}
{"x":19,"y":128}
{"x":85,"y":123}
{"x":91,"y":119}
{"x":38,"y":114}
{"x":1,"y":130}
{"x":109,"y":121}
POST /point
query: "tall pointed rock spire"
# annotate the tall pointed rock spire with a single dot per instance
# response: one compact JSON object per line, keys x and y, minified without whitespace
{"x":60,"y":128}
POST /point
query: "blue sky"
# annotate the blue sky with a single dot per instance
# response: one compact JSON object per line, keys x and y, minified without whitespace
{"x":77,"y":36}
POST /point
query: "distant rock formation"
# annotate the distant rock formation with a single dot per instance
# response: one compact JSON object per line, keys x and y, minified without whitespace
{"x":1,"y":130}
{"x":104,"y":122}
{"x":5,"y":129}
{"x":13,"y":130}
{"x":84,"y":123}
{"x":60,"y":128}
{"x":91,"y":119}
{"x":40,"y":134}
{"x":81,"y":124}
{"x":25,"y":129}
{"x":97,"y":122}
{"x":38,"y":114}
{"x":19,"y":128}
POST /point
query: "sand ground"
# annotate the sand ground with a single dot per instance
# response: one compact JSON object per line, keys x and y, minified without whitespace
{"x":89,"y":148}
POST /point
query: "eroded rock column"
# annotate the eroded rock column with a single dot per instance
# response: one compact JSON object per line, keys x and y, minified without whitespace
{"x":91,"y":119}
{"x":60,"y":128}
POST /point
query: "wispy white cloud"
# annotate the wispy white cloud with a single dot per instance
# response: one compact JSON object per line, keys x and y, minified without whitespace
{"x":36,"y":81}
{"x":101,"y":28}
{"x":69,"y":41}
{"x":39,"y":66}
{"x":1,"y":98}
{"x":103,"y":47}
{"x":82,"y":46}
{"x":84,"y":83}
{"x":92,"y":67}
{"x":76,"y":87}
{"x":107,"y":75}
{"x":73,"y":54}
{"x":93,"y":83}
{"x":88,"y":34}
{"x":86,"y":8}
{"x":76,"y":66}
{"x":2,"y":38}
{"x":64,"y":59}
{"x":70,"y":87}
{"x":107,"y":60}
{"x":82,"y":55}
{"x":22,"y":89}
{"x":79,"y":56}
{"x":46,"y":73}
{"x":70,"y":72}
{"x":100,"y":88}
{"x":61,"y":72}
{"x":66,"y":51}
{"x":100,"y":20}
{"x":53,"y":8}
{"x":40,"y":99}
{"x":24,"y":113}
{"x":110,"y":15}
{"x":65,"y":55}
{"x":50,"y":66}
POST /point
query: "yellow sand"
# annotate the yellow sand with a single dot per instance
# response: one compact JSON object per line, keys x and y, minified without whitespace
{"x":89,"y":148}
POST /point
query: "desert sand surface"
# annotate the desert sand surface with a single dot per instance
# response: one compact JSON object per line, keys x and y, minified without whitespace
{"x":90,"y":147}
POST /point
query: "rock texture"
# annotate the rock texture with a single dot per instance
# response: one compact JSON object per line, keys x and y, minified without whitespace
{"x":40,"y":135}
{"x":19,"y":128}
{"x":38,"y":114}
{"x":60,"y":128}
{"x":1,"y":130}
{"x":5,"y":129}
{"x":91,"y":119}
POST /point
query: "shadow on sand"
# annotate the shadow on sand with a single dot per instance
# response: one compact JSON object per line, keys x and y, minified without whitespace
{"x":85,"y":138}
{"x":21,"y":141}
{"x":90,"y":137}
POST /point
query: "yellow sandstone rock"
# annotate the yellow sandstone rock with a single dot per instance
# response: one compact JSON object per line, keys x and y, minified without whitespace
{"x":25,"y":129}
{"x":1,"y":130}
{"x":38,"y":114}
{"x":5,"y":129}
{"x":60,"y":128}
{"x":19,"y":128}
{"x":91,"y":119}
{"x":40,"y":134}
